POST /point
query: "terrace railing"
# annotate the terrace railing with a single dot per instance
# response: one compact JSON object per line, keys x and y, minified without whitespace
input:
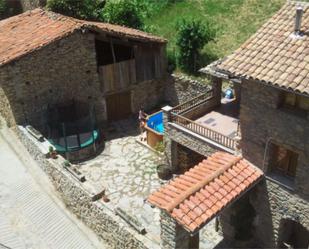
{"x":190,"y":104}
{"x":203,"y":131}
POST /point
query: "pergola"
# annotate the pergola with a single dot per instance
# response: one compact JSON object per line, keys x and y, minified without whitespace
{"x":193,"y":199}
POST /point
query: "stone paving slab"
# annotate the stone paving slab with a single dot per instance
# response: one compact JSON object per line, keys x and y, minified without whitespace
{"x":127,"y":170}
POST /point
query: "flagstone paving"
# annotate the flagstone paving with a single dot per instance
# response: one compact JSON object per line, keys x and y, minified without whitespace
{"x":127,"y":170}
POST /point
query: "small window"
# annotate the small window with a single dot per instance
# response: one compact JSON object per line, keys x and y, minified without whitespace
{"x":283,"y":161}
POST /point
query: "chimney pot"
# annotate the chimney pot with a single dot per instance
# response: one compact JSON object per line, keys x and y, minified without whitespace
{"x":299,"y":14}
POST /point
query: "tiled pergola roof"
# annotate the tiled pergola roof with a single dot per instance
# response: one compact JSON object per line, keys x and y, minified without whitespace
{"x":197,"y":196}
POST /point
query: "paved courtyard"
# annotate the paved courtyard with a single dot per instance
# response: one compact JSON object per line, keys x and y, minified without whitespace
{"x":128,"y":172}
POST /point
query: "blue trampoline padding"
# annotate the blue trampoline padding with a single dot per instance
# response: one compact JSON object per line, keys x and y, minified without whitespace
{"x":85,"y":138}
{"x":155,"y":122}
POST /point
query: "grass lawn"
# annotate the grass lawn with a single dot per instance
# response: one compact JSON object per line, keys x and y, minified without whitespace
{"x":233,"y":20}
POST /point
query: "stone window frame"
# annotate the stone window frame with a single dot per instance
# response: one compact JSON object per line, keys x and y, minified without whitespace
{"x":283,"y":180}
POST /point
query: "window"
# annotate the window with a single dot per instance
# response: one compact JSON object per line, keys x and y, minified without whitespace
{"x":294,"y":101}
{"x":283,"y":161}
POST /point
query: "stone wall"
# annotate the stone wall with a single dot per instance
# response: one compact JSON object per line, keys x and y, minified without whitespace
{"x":187,"y":158}
{"x":174,"y":136}
{"x":263,"y":122}
{"x":184,"y":89}
{"x":61,"y":71}
{"x":78,"y":198}
{"x":150,"y":94}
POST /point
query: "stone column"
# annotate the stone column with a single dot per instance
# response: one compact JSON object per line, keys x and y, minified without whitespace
{"x":174,"y":236}
{"x":170,"y":145}
{"x":217,"y":87}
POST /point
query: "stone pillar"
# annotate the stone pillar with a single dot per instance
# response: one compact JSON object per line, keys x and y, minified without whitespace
{"x":217,"y":87}
{"x":174,"y":236}
{"x":170,"y":145}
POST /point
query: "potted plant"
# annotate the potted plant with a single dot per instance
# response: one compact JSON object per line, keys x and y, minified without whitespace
{"x":52,"y":152}
{"x":66,"y":164}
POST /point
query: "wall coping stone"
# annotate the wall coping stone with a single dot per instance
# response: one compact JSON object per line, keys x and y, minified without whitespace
{"x":79,"y":198}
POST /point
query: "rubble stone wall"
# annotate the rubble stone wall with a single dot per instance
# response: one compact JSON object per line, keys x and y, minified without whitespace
{"x":55,"y":74}
{"x":184,"y":89}
{"x":263,"y":122}
{"x":78,"y":198}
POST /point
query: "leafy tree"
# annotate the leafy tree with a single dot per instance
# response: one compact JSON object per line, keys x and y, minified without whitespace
{"x":191,"y":37}
{"x":83,"y":9}
{"x":2,"y":9}
{"x":123,"y":12}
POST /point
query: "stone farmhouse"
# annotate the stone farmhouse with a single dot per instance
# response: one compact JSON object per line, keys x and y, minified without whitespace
{"x":47,"y":60}
{"x":257,"y":189}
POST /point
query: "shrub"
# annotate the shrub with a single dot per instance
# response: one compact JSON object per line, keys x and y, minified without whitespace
{"x":83,"y":9}
{"x":191,"y":37}
{"x":2,"y":9}
{"x":171,"y":61}
{"x":123,"y":12}
{"x":160,"y":147}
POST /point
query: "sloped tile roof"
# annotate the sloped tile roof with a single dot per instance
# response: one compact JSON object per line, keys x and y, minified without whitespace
{"x":197,"y":196}
{"x":24,"y":33}
{"x":274,"y":55}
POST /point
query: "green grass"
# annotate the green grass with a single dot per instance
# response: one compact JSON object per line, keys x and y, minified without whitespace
{"x":234,"y":21}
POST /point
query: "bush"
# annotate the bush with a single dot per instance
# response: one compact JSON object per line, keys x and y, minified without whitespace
{"x":123,"y":12}
{"x":83,"y":9}
{"x":191,"y":38}
{"x":2,"y":9}
{"x":160,"y":147}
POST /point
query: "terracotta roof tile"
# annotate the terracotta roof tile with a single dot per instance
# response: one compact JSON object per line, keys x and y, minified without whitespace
{"x":31,"y":30}
{"x":198,"y":201}
{"x":273,"y":48}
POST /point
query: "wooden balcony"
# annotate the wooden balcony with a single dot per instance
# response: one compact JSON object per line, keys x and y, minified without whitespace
{"x":118,"y":76}
{"x":205,"y":117}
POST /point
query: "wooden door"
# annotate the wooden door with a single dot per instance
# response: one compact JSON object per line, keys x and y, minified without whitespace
{"x":118,"y":106}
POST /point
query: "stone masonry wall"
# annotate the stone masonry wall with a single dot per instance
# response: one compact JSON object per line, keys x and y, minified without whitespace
{"x":184,"y":89}
{"x":262,"y":123}
{"x":56,"y":73}
{"x":150,"y":94}
{"x":173,"y":136}
{"x":77,"y":197}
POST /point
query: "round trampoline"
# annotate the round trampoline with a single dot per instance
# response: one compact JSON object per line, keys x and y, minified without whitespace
{"x":71,"y":143}
{"x":73,"y":129}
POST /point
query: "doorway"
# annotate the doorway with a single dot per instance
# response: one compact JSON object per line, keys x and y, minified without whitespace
{"x":118,"y":106}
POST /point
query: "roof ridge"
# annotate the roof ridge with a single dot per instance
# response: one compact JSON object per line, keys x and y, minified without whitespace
{"x":201,"y":184}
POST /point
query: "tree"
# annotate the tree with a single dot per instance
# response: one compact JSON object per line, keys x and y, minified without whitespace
{"x":191,"y":37}
{"x":2,"y":9}
{"x":82,"y":9}
{"x":123,"y":12}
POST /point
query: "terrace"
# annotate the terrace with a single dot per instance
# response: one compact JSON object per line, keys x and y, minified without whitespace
{"x":210,"y":117}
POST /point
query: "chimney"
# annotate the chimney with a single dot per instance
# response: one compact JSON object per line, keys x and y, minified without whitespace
{"x":299,"y":14}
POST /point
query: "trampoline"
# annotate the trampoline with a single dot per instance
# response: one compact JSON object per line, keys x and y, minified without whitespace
{"x":72,"y":127}
{"x":73,"y":143}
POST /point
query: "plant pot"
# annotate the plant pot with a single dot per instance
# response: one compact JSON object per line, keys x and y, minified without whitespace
{"x":164,"y":172}
{"x":53,"y":155}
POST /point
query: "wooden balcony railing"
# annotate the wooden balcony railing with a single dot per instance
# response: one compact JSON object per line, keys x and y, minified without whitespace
{"x":203,"y":131}
{"x":193,"y":102}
